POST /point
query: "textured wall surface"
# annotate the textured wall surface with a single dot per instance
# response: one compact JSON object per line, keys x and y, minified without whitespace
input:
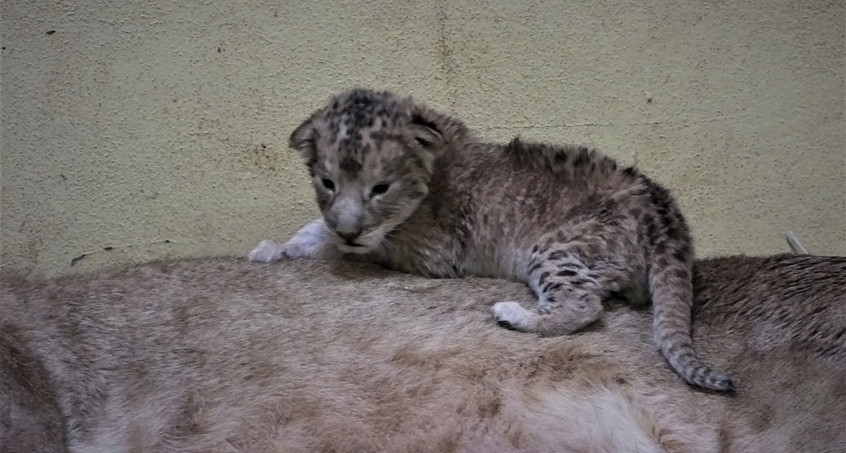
{"x":140,"y":130}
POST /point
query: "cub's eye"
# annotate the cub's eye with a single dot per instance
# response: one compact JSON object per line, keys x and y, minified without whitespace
{"x":328,"y":184}
{"x":380,"y":188}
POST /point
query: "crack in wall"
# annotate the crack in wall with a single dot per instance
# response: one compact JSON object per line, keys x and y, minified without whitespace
{"x":110,"y":248}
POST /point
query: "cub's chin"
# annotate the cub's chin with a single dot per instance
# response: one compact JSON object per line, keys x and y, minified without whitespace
{"x":354,"y":249}
{"x":360,"y":246}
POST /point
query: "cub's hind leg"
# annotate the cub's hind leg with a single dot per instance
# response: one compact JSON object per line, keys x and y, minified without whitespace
{"x":570,"y":288}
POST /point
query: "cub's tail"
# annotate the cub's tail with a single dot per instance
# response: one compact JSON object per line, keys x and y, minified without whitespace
{"x":671,"y":291}
{"x":672,"y":300}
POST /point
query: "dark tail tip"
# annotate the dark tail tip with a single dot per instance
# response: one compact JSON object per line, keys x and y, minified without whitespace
{"x":720,"y":384}
{"x":726,"y":385}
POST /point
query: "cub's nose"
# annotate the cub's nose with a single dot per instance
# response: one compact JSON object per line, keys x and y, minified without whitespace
{"x":348,"y":236}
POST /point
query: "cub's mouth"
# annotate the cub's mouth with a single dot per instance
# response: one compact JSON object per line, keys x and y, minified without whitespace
{"x":354,"y":247}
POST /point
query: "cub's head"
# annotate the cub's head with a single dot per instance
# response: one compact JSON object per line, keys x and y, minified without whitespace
{"x":371,"y":156}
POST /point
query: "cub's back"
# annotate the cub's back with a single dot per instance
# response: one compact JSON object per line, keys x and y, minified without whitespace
{"x":534,"y":183}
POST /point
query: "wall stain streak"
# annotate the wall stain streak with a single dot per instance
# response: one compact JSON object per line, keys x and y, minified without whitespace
{"x":445,"y":57}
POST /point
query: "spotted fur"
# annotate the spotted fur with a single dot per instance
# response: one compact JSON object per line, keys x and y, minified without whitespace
{"x":412,"y":189}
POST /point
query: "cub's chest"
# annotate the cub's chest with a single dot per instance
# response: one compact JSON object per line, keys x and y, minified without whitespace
{"x":431,"y":253}
{"x":463,"y":249}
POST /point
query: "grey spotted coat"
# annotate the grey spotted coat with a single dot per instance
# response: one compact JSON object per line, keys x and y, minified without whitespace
{"x":412,"y":189}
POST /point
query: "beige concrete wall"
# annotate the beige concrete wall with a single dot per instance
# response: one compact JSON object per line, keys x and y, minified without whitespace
{"x":141,"y":130}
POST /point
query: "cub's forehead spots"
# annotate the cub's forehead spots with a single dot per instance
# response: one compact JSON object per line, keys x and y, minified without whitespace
{"x":358,"y":110}
{"x":350,"y":166}
{"x":361,"y":134}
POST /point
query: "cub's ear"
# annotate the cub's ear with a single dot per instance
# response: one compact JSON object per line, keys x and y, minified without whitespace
{"x":304,"y":138}
{"x":426,"y":133}
{"x":428,"y":136}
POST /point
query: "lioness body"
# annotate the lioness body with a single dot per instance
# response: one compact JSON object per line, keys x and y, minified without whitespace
{"x":220,"y":355}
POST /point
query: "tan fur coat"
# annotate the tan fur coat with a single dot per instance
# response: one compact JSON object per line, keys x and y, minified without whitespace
{"x":222,"y":355}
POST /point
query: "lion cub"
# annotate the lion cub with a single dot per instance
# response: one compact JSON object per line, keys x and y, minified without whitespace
{"x":404,"y":186}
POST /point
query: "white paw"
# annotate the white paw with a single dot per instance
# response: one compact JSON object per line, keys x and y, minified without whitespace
{"x":511,"y":314}
{"x":311,"y":241}
{"x":266,"y":252}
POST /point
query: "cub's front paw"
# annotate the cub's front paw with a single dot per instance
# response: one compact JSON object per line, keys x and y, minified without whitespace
{"x":511,"y":315}
{"x":267,"y":251}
